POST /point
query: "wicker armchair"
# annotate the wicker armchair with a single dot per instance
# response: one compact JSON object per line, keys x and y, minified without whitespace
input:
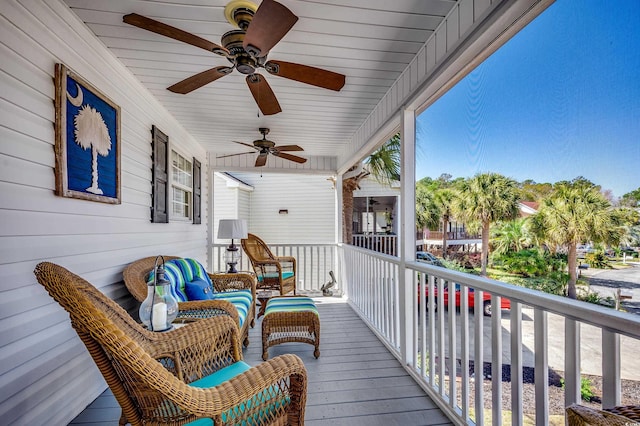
{"x":579,"y":415}
{"x":135,"y":278}
{"x":274,"y":272}
{"x":164,"y":378}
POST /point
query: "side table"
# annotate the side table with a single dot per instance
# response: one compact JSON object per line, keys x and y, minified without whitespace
{"x":263,"y":297}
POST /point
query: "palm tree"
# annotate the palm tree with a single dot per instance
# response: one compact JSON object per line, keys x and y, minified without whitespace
{"x":484,"y":199}
{"x":91,"y":132}
{"x":575,"y":213}
{"x":383,"y":165}
{"x":444,"y":200}
{"x":427,"y":209}
{"x":513,"y":236}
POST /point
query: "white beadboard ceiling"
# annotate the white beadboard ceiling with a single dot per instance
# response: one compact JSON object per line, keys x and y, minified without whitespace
{"x":370,"y":41}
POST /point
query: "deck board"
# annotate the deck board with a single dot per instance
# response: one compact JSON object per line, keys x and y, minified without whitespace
{"x":356,"y":381}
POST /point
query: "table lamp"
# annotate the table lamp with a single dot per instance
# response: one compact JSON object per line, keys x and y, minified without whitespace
{"x":232,"y":228}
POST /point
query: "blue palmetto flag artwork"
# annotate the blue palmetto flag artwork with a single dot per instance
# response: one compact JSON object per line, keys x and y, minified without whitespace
{"x":91,"y":136}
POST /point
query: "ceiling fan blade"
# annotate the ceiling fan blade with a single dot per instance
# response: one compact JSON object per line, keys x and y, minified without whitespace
{"x":290,"y":157}
{"x":262,"y":93}
{"x":261,"y":160}
{"x":197,"y":81}
{"x":246,"y":144}
{"x":306,"y":74}
{"x":288,"y":148}
{"x":269,"y":24}
{"x":233,"y":155}
{"x":173,"y":32}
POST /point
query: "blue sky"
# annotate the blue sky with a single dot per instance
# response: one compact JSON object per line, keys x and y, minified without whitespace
{"x":561,"y":99}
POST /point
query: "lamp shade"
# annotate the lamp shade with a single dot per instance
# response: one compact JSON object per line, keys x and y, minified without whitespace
{"x":232,"y":228}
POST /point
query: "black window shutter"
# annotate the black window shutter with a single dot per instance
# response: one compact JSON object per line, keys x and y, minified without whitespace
{"x":160,"y":195}
{"x":197,"y":192}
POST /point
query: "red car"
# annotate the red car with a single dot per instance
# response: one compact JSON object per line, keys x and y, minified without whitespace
{"x":486,"y":299}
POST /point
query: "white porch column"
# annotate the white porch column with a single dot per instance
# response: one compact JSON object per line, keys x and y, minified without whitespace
{"x":339,"y":253}
{"x":406,"y":236}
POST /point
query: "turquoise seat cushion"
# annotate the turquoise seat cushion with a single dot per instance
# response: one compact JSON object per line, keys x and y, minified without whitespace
{"x":228,"y":373}
{"x":290,"y":304}
{"x":285,"y":275}
{"x":241,"y":299}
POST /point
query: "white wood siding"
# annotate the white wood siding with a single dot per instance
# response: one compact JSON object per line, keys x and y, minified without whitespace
{"x":225,"y":204}
{"x":309,"y":199}
{"x":46,"y":374}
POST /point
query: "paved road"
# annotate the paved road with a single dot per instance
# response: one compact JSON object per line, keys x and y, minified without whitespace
{"x":607,"y":281}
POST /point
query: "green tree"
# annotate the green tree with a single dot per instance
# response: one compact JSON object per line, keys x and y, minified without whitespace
{"x":434,"y":203}
{"x":484,"y":199}
{"x":513,"y":236}
{"x":575,"y":213}
{"x":533,"y":191}
{"x":384,"y":165}
{"x":631,"y":199}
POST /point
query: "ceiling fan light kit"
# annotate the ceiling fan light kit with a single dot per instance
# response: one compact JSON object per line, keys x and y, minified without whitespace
{"x":258,"y":30}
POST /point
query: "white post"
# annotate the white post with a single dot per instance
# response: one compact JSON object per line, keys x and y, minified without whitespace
{"x":406,"y":237}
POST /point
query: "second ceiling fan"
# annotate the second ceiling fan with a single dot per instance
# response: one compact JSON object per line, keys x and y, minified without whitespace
{"x":266,"y":147}
{"x":260,"y":28}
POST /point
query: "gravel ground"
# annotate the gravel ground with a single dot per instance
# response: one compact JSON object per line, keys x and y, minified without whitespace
{"x":630,"y":391}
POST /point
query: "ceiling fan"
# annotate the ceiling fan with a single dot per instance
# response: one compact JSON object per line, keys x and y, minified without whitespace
{"x":260,"y":28}
{"x":266,"y":147}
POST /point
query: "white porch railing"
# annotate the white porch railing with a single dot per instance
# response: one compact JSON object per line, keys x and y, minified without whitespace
{"x":387,"y":244}
{"x":313,"y":263}
{"x":438,"y":345}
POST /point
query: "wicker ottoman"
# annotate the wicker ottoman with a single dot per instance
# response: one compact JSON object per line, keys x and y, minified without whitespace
{"x":290,"y":319}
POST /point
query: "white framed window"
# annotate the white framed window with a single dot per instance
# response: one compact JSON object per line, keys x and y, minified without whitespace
{"x":181,"y":187}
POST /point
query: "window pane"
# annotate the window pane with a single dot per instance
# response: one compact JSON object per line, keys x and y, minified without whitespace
{"x":182,"y":185}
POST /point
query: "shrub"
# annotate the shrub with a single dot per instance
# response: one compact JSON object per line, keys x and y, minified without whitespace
{"x":528,"y":263}
{"x":597,"y":260}
{"x":548,"y":285}
{"x":586,"y":389}
{"x":590,"y":296}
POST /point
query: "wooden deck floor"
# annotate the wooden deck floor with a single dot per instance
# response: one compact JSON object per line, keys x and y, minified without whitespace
{"x":356,"y":381}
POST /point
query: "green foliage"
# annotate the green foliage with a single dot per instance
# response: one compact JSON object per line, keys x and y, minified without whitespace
{"x":597,"y":260}
{"x":533,"y":191}
{"x":511,"y":236}
{"x":631,"y":199}
{"x":590,"y":297}
{"x":384,"y":163}
{"x":454,"y":264}
{"x":530,"y":262}
{"x":575,"y":212}
{"x":586,"y":388}
{"x":553,"y":284}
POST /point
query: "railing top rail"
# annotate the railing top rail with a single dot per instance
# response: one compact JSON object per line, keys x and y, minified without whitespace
{"x":285,"y":245}
{"x":589,"y":313}
{"x":377,"y":255}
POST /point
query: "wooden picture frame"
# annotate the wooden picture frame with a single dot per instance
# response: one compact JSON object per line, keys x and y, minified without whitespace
{"x":87,"y":148}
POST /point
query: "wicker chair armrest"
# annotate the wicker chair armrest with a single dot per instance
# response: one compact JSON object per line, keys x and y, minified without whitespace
{"x":200,"y":309}
{"x":579,"y":415}
{"x":286,"y":259}
{"x":276,"y":373}
{"x":236,"y":281}
{"x":205,"y":336}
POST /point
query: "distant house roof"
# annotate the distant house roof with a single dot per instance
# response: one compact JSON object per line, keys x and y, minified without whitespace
{"x":527,"y":208}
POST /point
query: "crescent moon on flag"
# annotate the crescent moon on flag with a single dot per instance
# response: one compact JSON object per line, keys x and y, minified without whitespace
{"x":77,"y":101}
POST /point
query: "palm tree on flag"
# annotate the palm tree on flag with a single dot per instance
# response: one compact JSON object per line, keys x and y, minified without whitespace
{"x":91,"y":132}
